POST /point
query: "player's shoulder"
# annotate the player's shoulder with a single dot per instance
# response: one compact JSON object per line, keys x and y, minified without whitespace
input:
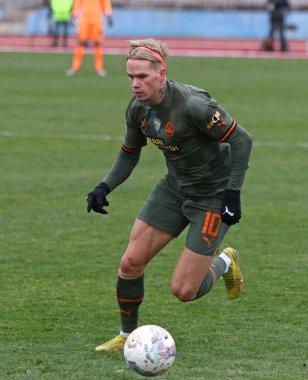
{"x":188,"y":89}
{"x":189,"y":96}
{"x":193,"y":96}
{"x":132,"y":102}
{"x":134,"y":108}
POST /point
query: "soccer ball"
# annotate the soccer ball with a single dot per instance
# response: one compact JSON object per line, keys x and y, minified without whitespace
{"x":149,"y":350}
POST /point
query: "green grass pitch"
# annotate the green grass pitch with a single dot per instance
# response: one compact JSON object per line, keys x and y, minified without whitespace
{"x":58,"y":137}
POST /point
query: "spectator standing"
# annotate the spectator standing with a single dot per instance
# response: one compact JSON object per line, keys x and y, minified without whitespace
{"x":278,"y":10}
{"x":61,"y":15}
{"x":90,"y":28}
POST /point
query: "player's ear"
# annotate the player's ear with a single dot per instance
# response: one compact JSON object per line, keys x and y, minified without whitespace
{"x":162,"y":72}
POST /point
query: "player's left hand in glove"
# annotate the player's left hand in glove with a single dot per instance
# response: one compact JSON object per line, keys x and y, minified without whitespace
{"x":97,"y":198}
{"x":230,"y":210}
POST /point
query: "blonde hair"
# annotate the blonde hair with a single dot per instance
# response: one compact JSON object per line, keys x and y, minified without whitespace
{"x":148,"y":49}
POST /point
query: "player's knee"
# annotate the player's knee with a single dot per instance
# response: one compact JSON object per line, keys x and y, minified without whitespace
{"x":130,"y":265}
{"x":126,"y":265}
{"x":183,"y":293}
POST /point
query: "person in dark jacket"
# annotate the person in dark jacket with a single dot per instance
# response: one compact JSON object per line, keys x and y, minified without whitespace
{"x":278,"y":10}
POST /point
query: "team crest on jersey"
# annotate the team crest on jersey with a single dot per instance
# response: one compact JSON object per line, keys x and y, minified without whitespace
{"x":144,"y":124}
{"x":157,"y":124}
{"x":169,"y":129}
{"x":217,"y":120}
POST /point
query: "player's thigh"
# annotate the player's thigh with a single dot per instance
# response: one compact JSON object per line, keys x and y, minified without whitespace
{"x":144,"y":243}
{"x":163,"y":209}
{"x":83,"y":30}
{"x":91,"y":31}
{"x":188,"y":274}
{"x":96,"y":33}
{"x":206,"y":230}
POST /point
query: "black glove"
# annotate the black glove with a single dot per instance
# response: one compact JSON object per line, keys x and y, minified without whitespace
{"x":97,"y":198}
{"x":109,"y":21}
{"x":230,"y":210}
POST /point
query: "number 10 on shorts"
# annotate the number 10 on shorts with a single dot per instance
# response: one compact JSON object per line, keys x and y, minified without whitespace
{"x":211,"y":226}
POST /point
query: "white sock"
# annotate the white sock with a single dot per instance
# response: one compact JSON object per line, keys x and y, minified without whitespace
{"x":226,"y":259}
{"x":125,"y":335}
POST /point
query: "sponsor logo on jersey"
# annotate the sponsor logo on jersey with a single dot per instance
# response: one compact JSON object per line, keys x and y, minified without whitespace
{"x":169,"y":129}
{"x":161,"y":145}
{"x":217,"y":120}
{"x":156,"y":123}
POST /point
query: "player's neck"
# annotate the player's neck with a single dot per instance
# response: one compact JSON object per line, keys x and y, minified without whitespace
{"x":160,"y":96}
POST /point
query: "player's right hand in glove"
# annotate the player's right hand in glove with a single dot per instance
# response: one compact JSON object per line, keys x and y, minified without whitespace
{"x":97,"y":198}
{"x":230,"y":210}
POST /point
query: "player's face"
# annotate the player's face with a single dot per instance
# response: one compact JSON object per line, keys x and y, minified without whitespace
{"x":146,"y":81}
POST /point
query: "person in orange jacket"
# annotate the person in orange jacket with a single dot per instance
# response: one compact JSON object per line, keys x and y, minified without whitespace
{"x":90,"y":30}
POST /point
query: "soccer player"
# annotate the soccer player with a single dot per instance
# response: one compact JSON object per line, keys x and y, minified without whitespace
{"x":90,"y":30}
{"x":206,"y":154}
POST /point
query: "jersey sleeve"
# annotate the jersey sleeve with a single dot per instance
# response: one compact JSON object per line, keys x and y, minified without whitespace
{"x":129,"y":155}
{"x":122,"y":168}
{"x":134,"y":138}
{"x":107,"y":7}
{"x":210,"y":118}
{"x":241,"y":144}
{"x":76,"y":7}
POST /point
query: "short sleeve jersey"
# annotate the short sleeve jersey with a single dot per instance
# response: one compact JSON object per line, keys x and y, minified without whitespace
{"x":190,"y":128}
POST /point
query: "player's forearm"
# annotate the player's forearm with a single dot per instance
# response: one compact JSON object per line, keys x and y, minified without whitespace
{"x":241,"y":143}
{"x":122,"y":168}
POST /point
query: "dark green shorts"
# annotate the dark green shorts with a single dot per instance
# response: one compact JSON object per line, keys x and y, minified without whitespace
{"x":173,"y":213}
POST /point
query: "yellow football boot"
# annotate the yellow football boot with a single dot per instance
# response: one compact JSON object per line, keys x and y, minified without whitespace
{"x":234,"y":281}
{"x":114,"y":344}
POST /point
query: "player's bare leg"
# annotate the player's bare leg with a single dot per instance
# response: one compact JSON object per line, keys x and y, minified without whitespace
{"x":144,"y":243}
{"x":189,"y":273}
{"x":195,"y":274}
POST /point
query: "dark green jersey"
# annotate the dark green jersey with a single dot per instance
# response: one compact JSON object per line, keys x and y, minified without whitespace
{"x":206,"y":151}
{"x":189,"y":127}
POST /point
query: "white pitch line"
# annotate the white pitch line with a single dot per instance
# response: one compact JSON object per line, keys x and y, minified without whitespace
{"x":280,"y":144}
{"x":67,"y":136}
{"x":71,"y":136}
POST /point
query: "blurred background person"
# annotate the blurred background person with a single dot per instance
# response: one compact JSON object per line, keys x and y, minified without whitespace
{"x":61,"y":14}
{"x":90,"y":29}
{"x":277,"y":10}
{"x":47,"y":5}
